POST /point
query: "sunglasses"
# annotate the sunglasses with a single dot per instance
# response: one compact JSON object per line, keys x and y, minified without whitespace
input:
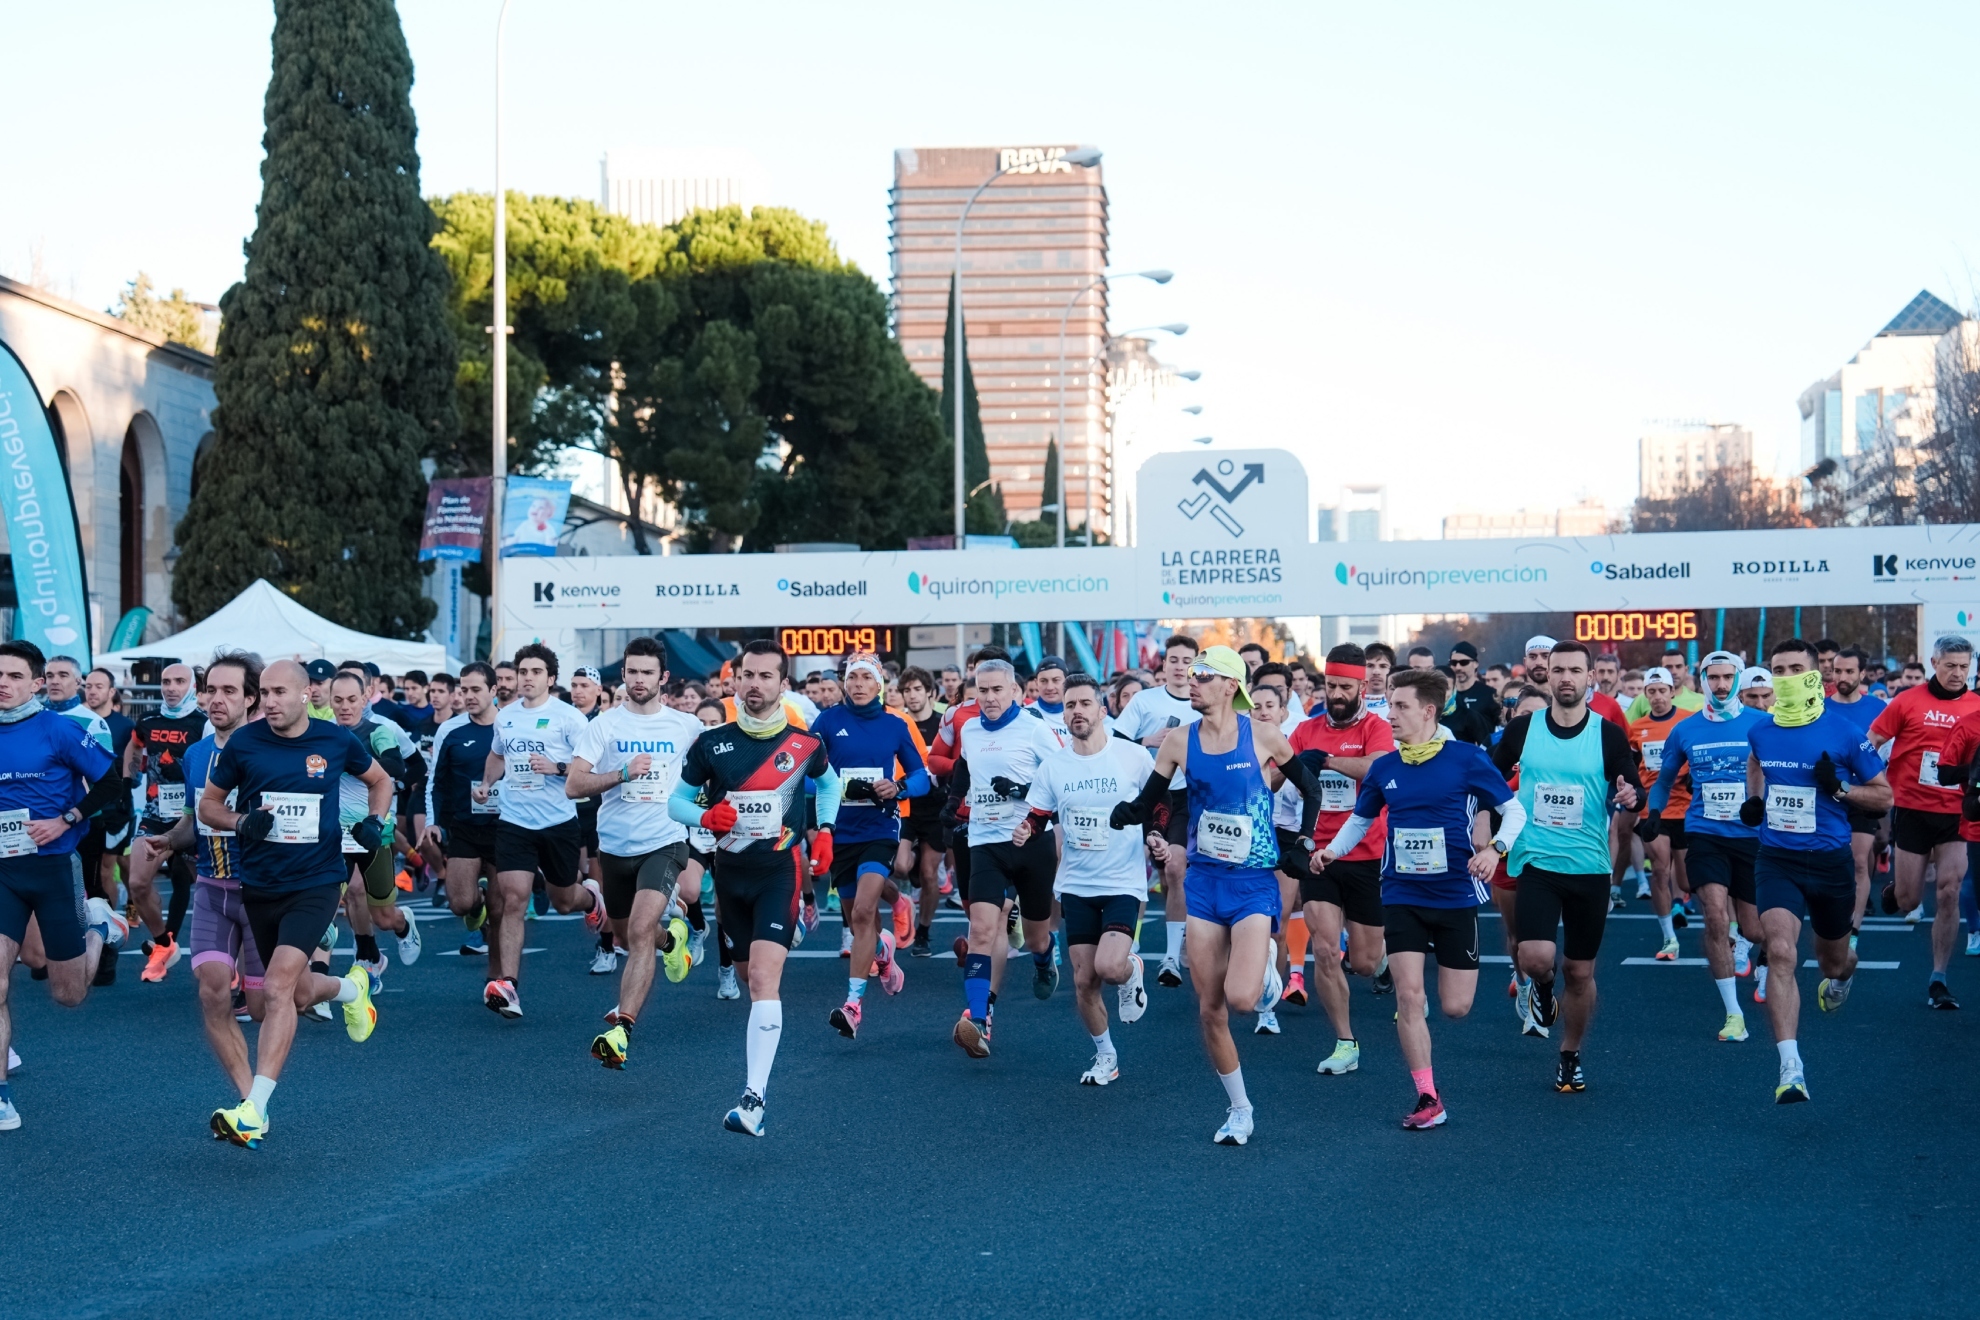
{"x":1457,"y":660}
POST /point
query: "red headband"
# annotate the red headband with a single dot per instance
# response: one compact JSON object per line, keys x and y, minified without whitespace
{"x":1346,"y":671}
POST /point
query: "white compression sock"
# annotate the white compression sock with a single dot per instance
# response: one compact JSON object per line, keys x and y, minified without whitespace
{"x":1104,"y":1043}
{"x":347,"y":991}
{"x":1790,"y":1053}
{"x":1175,"y":931}
{"x":766,"y":1028}
{"x":1664,"y":924}
{"x":262,"y":1091}
{"x":1234,"y":1088}
{"x":1728,"y":992}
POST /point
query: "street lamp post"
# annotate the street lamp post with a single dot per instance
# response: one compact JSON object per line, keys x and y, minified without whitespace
{"x":1080,"y":156}
{"x":499,"y":366}
{"x":1160,"y":277}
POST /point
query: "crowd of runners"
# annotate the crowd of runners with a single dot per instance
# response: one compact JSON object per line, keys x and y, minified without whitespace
{"x":1355,"y":814}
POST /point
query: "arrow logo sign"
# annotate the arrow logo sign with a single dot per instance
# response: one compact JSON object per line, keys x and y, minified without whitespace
{"x":1252,"y":472}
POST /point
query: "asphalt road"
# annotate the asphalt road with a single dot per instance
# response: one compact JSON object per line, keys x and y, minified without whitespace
{"x":458,"y":1164}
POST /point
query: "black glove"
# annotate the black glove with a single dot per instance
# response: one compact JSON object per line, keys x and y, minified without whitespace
{"x":1313,"y":759}
{"x":1752,"y":811}
{"x":255,"y":826}
{"x":368,"y":833}
{"x":1826,"y":777}
{"x":1009,"y":788}
{"x":115,"y":816}
{"x":1646,"y":829}
{"x":1124,"y":815}
{"x":1969,"y":801}
{"x":859,"y":790}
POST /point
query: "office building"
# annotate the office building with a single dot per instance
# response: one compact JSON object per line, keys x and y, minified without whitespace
{"x":1673,"y":459}
{"x":1590,"y":517}
{"x":1034,"y":238}
{"x":1142,"y":416}
{"x":659,"y":186}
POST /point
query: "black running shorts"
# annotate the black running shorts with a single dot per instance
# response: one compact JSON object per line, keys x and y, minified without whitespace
{"x":1715,"y":859}
{"x":999,"y":868}
{"x":1817,"y":885}
{"x":553,"y":851}
{"x":49,"y":888}
{"x":470,"y":843}
{"x":656,"y":872}
{"x":847,"y":861}
{"x":1353,"y":887}
{"x":756,"y":898}
{"x":1577,"y":903}
{"x":1450,"y":933}
{"x":295,"y":919}
{"x":1087,"y":919}
{"x":1920,"y":832}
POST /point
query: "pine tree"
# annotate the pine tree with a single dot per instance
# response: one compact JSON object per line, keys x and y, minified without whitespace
{"x":984,"y":513}
{"x":335,"y":363}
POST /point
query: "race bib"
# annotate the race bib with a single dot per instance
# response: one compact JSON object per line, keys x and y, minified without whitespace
{"x":172,"y":801}
{"x":1336,"y":791}
{"x":1791,"y":808}
{"x":1928,"y":770}
{"x":492,"y":807}
{"x":992,"y":807}
{"x":1721,"y":801}
{"x":1421,"y":852}
{"x":1558,"y":806}
{"x":350,"y":844}
{"x":863,"y":775}
{"x":759,"y":815}
{"x":14,"y":840}
{"x":653,"y":786}
{"x":1085,"y":829}
{"x":1653,"y":756}
{"x":1223,"y":836}
{"x":298,"y":816}
{"x":701,"y":840}
{"x":521,"y":778}
{"x":208,"y":830}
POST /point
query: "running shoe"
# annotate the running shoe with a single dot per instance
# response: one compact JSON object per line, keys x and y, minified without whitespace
{"x":726,"y":986}
{"x":1940,"y":995}
{"x":1169,"y":974}
{"x":375,"y":970}
{"x":612,"y":1017}
{"x":971,"y":1037}
{"x":1344,"y":1060}
{"x":920,"y":949}
{"x":892,"y":976}
{"x":14,"y":1063}
{"x":1568,"y":1077}
{"x":1429,"y":1113}
{"x":1274,"y":989}
{"x":502,"y":998}
{"x":1669,"y":953}
{"x":594,"y":917}
{"x":1385,"y":981}
{"x":474,"y":944}
{"x":1916,"y":914}
{"x":1680,"y":919}
{"x":832,"y":901}
{"x":1237,"y":1127}
{"x":989,"y":1023}
{"x":241,"y":1013}
{"x":10,"y":1117}
{"x":1615,"y":898}
{"x":1512,"y":987}
{"x":1742,"y":957}
{"x":1134,"y":995}
{"x":1973,"y":945}
{"x":318,"y":1013}
{"x":1735,"y":1028}
{"x":961,"y":949}
{"x":1296,"y":990}
{"x":159,"y":958}
{"x":803,"y":928}
{"x":1268,"y":1025}
{"x":475,"y":919}
{"x":1016,"y":933}
{"x":1105,"y":1068}
{"x":1794,"y":1085}
{"x":604,"y":962}
{"x":1831,"y":994}
{"x":698,"y":947}
{"x":1546,"y":1007}
{"x":410,"y":944}
{"x":845,"y":1019}
{"x":1887,"y":899}
{"x":610,"y":1048}
{"x":360,"y":1015}
{"x":1044,"y":979}
{"x":1760,"y":985}
{"x":846,"y":941}
{"x":746,"y":1117}
{"x":243,"y":1125}
{"x":903,"y":920}
{"x":809,"y":914}
{"x":1642,"y":888}
{"x":679,"y":958}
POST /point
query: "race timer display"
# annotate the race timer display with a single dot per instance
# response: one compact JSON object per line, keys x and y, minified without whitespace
{"x":1636,"y":626}
{"x":835,"y":641}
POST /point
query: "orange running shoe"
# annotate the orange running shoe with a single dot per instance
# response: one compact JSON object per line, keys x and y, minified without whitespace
{"x":903,"y":920}
{"x":403,"y":881}
{"x":160,"y":959}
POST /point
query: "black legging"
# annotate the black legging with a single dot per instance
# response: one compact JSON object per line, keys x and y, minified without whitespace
{"x":180,"y":868}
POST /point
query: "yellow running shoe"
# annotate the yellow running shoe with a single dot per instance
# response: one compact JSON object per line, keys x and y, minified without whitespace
{"x":243,"y":1125}
{"x":360,"y":1015}
{"x":1735,"y":1028}
{"x":678,"y":959}
{"x":610,"y":1048}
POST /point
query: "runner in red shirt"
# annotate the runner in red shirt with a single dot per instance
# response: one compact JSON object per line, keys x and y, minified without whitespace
{"x":1665,"y":849}
{"x":1927,"y":817}
{"x":1345,"y":738}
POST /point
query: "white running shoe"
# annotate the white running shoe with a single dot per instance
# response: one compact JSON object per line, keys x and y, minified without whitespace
{"x":697,"y":946}
{"x":604,"y":962}
{"x":1168,"y":974}
{"x":747,"y":1116}
{"x":1237,"y":1127}
{"x":1742,"y":956}
{"x":1916,"y":914}
{"x":1973,"y":945}
{"x":725,"y":985}
{"x":321,"y":1012}
{"x":1268,"y":1025}
{"x":1642,"y":887}
{"x":409,"y":943}
{"x":1134,"y":996}
{"x":10,"y":1117}
{"x":13,"y":1061}
{"x":846,"y":941}
{"x":1274,"y":988}
{"x":1104,"y":1069}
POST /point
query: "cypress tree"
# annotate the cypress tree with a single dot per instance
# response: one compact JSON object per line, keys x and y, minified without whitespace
{"x":335,"y":361}
{"x":984,"y":514}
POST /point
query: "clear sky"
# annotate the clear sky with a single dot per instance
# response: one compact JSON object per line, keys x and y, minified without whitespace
{"x":1467,"y":250}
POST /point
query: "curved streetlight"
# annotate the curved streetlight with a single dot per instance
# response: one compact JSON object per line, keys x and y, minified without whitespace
{"x":1059,"y":536}
{"x":1081,"y":156}
{"x":499,"y":366}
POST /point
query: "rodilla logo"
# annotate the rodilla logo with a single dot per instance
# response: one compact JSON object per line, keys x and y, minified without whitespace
{"x":1342,"y":572}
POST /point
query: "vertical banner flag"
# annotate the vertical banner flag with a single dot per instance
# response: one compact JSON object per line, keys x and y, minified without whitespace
{"x":41,"y":522}
{"x":533,"y":515}
{"x":456,"y":519}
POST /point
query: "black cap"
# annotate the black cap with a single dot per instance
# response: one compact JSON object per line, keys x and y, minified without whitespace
{"x":1051,"y":662}
{"x":371,"y":670}
{"x":1465,"y":649}
{"x":320,"y":671}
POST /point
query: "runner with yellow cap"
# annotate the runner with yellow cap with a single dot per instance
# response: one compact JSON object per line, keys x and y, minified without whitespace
{"x":1232,"y":765}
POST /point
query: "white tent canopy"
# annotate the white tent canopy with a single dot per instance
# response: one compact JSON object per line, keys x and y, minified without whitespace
{"x":268,"y":623}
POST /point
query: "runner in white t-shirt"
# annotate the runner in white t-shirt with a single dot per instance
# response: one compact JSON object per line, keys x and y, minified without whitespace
{"x":1102,"y":881}
{"x":1149,"y":716}
{"x":630,"y":756}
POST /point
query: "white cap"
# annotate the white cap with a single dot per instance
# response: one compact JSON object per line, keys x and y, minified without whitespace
{"x":1658,"y":675}
{"x":1755,"y":678}
{"x":1540,"y":642}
